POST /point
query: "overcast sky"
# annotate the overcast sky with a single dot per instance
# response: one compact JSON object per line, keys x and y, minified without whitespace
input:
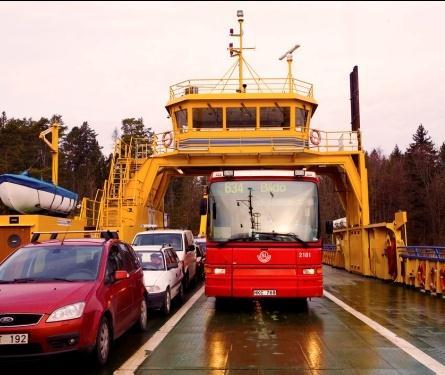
{"x":102,"y":62}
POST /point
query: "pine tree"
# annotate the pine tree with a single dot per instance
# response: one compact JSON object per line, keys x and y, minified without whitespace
{"x":83,"y":162}
{"x":420,"y":165}
{"x":135,"y":128}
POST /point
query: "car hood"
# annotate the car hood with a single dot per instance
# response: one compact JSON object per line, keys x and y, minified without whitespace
{"x":41,"y":298}
{"x":152,"y":277}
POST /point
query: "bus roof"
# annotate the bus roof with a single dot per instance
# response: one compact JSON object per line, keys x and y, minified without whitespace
{"x":263,"y":173}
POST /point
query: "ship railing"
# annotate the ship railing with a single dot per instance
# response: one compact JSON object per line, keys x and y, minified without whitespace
{"x":320,"y":140}
{"x":230,"y":86}
{"x":328,"y":141}
{"x":431,"y":253}
{"x":90,"y":209}
{"x":159,"y":144}
{"x":330,"y":253}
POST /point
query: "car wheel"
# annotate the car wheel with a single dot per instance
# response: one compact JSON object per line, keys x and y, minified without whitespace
{"x":103,"y":342}
{"x":143,"y":316}
{"x":167,"y":302}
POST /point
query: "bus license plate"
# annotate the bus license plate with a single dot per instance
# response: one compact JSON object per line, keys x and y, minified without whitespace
{"x":264,"y":292}
{"x":14,"y":339}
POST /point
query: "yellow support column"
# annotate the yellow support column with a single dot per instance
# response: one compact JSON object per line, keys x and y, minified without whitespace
{"x":54,"y":147}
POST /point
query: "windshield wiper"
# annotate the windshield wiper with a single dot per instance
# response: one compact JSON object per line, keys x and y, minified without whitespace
{"x":277,"y":234}
{"x":23,"y":280}
{"x":235,"y":238}
{"x":31,"y":280}
{"x":57,"y":279}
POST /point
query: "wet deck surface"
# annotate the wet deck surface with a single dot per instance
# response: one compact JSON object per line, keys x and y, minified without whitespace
{"x":282,"y":337}
{"x":279,"y":337}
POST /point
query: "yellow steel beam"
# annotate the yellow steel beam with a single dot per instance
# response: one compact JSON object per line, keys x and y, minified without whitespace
{"x":153,"y":177}
{"x":54,"y":148}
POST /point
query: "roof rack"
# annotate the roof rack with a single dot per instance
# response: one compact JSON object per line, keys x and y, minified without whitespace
{"x":106,"y":234}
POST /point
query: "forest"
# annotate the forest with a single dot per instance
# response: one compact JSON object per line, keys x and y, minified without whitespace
{"x":411,"y":180}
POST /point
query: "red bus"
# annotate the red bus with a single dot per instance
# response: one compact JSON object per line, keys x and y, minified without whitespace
{"x":263,"y":234}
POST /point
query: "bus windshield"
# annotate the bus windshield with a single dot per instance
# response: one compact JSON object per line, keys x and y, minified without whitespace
{"x":263,"y":211}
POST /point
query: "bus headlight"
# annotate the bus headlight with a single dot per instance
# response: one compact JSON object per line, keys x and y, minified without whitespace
{"x":312,"y":271}
{"x":309,"y":271}
{"x":214,"y":271}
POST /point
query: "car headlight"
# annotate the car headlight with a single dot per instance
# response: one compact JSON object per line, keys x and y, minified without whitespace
{"x":73,"y":311}
{"x":153,"y":288}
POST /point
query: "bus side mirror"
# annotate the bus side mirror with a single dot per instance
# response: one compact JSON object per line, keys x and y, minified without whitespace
{"x":203,"y":207}
{"x":329,"y":227}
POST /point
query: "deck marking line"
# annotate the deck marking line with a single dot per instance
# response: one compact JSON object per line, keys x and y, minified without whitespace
{"x":132,"y":363}
{"x":410,"y":349}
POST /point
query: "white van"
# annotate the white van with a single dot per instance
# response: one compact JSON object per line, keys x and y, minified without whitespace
{"x":181,"y":241}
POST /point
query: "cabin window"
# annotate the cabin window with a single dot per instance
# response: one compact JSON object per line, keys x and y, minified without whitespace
{"x":181,"y":120}
{"x":301,"y":116}
{"x":207,"y":118}
{"x":271,"y":117}
{"x":241,"y":117}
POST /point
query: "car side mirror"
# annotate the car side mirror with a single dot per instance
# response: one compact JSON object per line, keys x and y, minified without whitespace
{"x":121,"y":275}
{"x":191,"y":248}
{"x":173,"y":265}
{"x":329,"y":227}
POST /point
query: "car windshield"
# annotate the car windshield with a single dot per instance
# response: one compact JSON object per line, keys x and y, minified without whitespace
{"x":263,"y":211}
{"x":150,"y":239}
{"x":51,"y":263}
{"x":151,"y":260}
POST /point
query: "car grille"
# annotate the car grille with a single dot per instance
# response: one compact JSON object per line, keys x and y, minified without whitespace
{"x":25,"y":349}
{"x":19,"y":319}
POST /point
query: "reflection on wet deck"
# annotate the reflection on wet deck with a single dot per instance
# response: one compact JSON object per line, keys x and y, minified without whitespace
{"x":288,"y":337}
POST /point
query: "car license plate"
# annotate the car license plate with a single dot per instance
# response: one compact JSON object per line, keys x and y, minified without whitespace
{"x":14,"y":339}
{"x":264,"y":292}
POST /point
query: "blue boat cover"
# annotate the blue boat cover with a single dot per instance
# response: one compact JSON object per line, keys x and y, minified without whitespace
{"x":34,"y":183}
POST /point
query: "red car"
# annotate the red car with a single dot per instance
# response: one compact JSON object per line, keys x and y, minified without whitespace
{"x":66,"y":295}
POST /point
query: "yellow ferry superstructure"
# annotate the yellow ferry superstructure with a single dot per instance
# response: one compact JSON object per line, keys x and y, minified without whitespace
{"x":246,"y":122}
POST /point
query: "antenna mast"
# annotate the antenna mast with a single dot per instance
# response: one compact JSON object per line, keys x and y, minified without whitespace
{"x":239,"y":51}
{"x":289,"y":58}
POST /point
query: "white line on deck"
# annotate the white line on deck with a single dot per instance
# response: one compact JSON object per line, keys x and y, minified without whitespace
{"x":414,"y":352}
{"x":136,"y":360}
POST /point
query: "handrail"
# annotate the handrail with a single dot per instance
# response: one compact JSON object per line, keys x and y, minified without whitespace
{"x":423,"y":252}
{"x":336,"y":140}
{"x":329,"y":247}
{"x":231,"y":86}
{"x":155,"y":145}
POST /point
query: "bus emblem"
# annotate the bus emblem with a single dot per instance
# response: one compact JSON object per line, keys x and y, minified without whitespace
{"x":264,"y":257}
